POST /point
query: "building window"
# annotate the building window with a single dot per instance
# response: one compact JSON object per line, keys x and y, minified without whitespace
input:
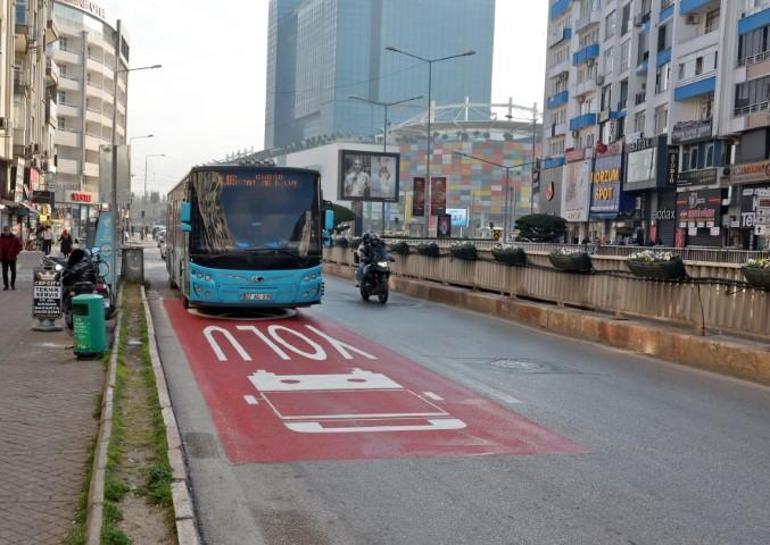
{"x":62,"y":97}
{"x":681,"y":71}
{"x":661,"y":120}
{"x":712,"y":21}
{"x":623,"y":100}
{"x":639,"y":120}
{"x":705,"y":108}
{"x":752,"y":96}
{"x":61,"y":123}
{"x":609,"y":26}
{"x":625,"y":55}
{"x":606,"y":97}
{"x":698,"y":66}
{"x":690,"y":157}
{"x":753,"y":46}
{"x":63,"y":44}
{"x":608,"y":60}
{"x":625,"y":17}
{"x":709,"y":154}
{"x":662,"y":77}
{"x":588,"y":38}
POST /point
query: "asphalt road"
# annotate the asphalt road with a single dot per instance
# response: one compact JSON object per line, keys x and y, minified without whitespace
{"x":667,"y":455}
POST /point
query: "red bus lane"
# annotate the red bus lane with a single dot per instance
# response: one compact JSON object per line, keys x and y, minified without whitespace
{"x":300,"y":389}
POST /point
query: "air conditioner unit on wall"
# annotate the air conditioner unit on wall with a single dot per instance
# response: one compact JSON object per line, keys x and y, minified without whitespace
{"x":600,"y":80}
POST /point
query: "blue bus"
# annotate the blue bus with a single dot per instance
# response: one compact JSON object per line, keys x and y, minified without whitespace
{"x":246,"y":236}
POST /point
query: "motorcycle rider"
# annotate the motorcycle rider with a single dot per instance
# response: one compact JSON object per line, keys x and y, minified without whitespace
{"x":363,"y":256}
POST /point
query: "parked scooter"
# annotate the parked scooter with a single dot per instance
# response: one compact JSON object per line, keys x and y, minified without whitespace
{"x":376,"y":272}
{"x":80,"y":275}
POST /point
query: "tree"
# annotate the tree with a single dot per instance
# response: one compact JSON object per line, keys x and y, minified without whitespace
{"x":541,"y":228}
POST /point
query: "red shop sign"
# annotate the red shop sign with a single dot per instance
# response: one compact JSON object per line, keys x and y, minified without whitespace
{"x":81,"y":197}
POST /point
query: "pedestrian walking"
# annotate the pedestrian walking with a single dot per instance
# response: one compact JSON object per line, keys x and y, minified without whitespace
{"x":65,"y":243}
{"x":10,"y":247}
{"x":47,"y":237}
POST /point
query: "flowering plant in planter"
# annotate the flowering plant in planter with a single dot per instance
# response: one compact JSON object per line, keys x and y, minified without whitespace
{"x":570,"y":259}
{"x":429,"y":249}
{"x":464,"y":250}
{"x":400,"y":248}
{"x":510,"y":255}
{"x":757,"y":272}
{"x":658,"y":265}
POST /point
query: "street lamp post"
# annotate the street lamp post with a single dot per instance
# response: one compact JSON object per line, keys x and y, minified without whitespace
{"x":114,"y":176}
{"x":140,"y":137}
{"x":430,"y":63}
{"x":385,"y":106}
{"x":508,"y":200}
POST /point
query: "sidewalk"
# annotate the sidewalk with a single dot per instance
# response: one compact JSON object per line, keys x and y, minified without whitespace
{"x":47,"y":424}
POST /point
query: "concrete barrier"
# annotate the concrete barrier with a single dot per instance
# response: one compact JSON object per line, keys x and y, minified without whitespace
{"x":738,"y":358}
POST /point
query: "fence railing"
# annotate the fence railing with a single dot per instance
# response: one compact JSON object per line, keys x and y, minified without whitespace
{"x":705,"y":255}
{"x":715,"y":298}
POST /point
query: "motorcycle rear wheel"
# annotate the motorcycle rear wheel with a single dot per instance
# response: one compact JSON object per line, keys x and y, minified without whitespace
{"x":383,"y":297}
{"x":364,"y":293}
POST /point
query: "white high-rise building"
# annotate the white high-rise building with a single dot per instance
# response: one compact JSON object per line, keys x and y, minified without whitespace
{"x":86,"y":60}
{"x":656,"y":120}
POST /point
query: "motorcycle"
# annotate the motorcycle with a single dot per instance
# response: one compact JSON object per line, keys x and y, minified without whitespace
{"x":376,"y":274}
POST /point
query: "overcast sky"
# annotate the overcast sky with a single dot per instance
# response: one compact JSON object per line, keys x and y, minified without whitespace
{"x":209,"y":97}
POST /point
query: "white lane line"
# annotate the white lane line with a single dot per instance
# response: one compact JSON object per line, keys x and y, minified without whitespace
{"x":251,"y":400}
{"x":434,"y":397}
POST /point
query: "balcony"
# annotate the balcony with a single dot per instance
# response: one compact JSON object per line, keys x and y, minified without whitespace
{"x":585,"y":55}
{"x":92,"y":169}
{"x":68,"y":166}
{"x":666,"y":10}
{"x":592,"y":18}
{"x":641,"y":19}
{"x":559,"y":99}
{"x":641,"y":68}
{"x":68,"y":110}
{"x":754,"y":22}
{"x":558,"y":129}
{"x":690,"y":7}
{"x":695,"y":89}
{"x":556,"y":70}
{"x":663,"y":57}
{"x":559,"y":8}
{"x":559,"y":35}
{"x":553,"y":162}
{"x":52,"y":73}
{"x":66,"y":138}
{"x":586,"y":86}
{"x":582,"y":121}
{"x":51,"y":31}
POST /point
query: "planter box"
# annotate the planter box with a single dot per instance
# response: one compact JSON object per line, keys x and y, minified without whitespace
{"x":400,"y":248}
{"x":465,"y":252}
{"x":578,"y":263}
{"x":757,"y":278}
{"x":658,"y":270}
{"x":513,"y":257}
{"x":429,"y":250}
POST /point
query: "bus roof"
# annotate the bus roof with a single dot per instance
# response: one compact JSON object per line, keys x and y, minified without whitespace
{"x":242,"y":168}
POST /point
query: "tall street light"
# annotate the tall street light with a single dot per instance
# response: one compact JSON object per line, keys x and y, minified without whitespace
{"x":114,"y":201}
{"x":507,"y":169}
{"x":140,"y":137}
{"x":430,"y":63}
{"x":385,"y":106}
{"x":144,"y":200}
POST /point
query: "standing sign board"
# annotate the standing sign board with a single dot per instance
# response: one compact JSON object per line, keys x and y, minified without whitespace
{"x":418,"y":202}
{"x":46,"y":294}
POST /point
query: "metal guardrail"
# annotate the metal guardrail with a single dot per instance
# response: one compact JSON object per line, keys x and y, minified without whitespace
{"x":715,"y":297}
{"x":703,"y":255}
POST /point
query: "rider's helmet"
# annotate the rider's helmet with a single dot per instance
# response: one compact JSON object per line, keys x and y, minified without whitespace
{"x":366,"y":238}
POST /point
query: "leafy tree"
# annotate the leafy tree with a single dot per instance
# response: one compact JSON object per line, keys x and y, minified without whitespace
{"x":541,"y":228}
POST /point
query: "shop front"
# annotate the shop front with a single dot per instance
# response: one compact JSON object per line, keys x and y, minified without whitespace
{"x":610,"y":206}
{"x":750,"y":184}
{"x":699,"y":217}
{"x":576,"y":194}
{"x":75,"y":213}
{"x":646,"y":176}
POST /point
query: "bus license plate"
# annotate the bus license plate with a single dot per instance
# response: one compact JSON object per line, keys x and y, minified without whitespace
{"x":258,"y":296}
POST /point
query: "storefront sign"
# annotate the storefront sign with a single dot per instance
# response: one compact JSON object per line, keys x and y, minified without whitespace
{"x":699,"y":205}
{"x":750,"y":172}
{"x":43,"y":197}
{"x":755,"y":206}
{"x":90,"y":7}
{"x":605,"y":191}
{"x":550,"y":195}
{"x":641,"y":144}
{"x":640,"y":168}
{"x":459,"y":216}
{"x":576,"y":191}
{"x":705,"y":176}
{"x":688,"y":131}
{"x":672,"y":169}
{"x":79,"y":196}
{"x":665,"y":214}
{"x":46,"y":294}
{"x":573,"y":155}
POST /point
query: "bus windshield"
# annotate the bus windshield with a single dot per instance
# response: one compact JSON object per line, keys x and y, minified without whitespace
{"x":266,"y":214}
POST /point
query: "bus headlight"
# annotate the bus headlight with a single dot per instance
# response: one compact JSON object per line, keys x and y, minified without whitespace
{"x":311,"y":277}
{"x":203,"y":277}
{"x":383,"y":264}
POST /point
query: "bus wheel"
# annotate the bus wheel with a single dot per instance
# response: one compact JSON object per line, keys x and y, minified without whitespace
{"x":185,"y":302}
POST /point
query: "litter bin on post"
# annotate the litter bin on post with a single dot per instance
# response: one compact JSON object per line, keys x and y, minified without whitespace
{"x":133,"y":264}
{"x":89,"y":329}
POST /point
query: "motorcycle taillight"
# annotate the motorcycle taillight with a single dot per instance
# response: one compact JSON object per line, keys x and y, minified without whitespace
{"x":101,"y":286}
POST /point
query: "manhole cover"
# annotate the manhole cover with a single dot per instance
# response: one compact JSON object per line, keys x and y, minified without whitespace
{"x":519,"y":364}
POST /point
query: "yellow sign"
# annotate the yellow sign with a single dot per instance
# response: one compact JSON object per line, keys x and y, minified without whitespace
{"x":611,"y":175}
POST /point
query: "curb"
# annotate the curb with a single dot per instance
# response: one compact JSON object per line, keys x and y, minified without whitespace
{"x":95,"y":508}
{"x":747,"y":361}
{"x":184,"y":513}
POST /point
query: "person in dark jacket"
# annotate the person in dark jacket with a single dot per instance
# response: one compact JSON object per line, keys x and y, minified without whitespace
{"x":65,"y":243}
{"x":10,"y":247}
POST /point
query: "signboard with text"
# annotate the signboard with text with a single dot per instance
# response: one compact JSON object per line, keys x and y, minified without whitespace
{"x":750,"y":173}
{"x":605,"y":187}
{"x":46,"y":294}
{"x":418,"y":201}
{"x":576,"y":191}
{"x":438,"y":196}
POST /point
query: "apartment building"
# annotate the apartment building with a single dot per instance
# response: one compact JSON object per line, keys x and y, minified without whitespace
{"x":657,"y":120}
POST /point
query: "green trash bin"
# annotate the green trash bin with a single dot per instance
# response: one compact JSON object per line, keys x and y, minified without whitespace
{"x":89,"y":329}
